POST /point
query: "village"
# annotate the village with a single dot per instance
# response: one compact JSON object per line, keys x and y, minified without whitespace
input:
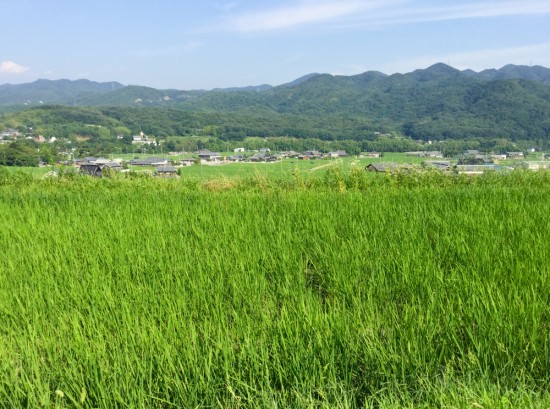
{"x":173,"y":164}
{"x":470,"y":162}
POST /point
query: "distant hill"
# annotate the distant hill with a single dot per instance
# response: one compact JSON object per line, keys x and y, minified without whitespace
{"x":298,"y":81}
{"x":536,"y":73}
{"x":439,"y":102}
{"x":54,"y":92}
{"x":134,"y":95}
{"x":90,"y":93}
{"x":253,"y":88}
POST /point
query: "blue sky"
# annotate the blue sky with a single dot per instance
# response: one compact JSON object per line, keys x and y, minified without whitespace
{"x":205,"y":44}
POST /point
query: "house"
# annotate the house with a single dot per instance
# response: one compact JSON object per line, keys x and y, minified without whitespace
{"x":151,"y":161}
{"x":337,"y":154}
{"x":93,"y":169}
{"x":437,"y":164}
{"x":101,"y":161}
{"x":259,"y":157}
{"x":238,"y":150}
{"x":90,"y":169}
{"x":10,"y":133}
{"x":236,"y":158}
{"x":310,"y":155}
{"x":265,"y":150}
{"x":498,"y":156}
{"x":515,"y":155}
{"x":536,"y":165}
{"x":474,"y":169}
{"x":86,"y":160}
{"x":290,"y":154}
{"x":382,"y":167}
{"x":141,"y":139}
{"x":158,"y":161}
{"x":208,"y":156}
{"x":116,"y":166}
{"x":167,"y":171}
{"x":187,"y":161}
{"x":370,"y":154}
{"x":426,"y":154}
{"x":139,"y":162}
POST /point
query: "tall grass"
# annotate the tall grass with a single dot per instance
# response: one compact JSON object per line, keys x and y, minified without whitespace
{"x":339,"y":291}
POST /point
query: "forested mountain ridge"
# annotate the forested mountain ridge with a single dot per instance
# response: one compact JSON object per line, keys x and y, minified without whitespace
{"x":89,"y":93}
{"x":436,"y":103}
{"x":439,"y":103}
{"x":64,"y":92}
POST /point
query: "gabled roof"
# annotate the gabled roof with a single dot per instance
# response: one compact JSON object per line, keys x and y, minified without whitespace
{"x":112,"y":165}
{"x":90,"y":169}
{"x":382,"y":167}
{"x":437,"y":164}
{"x":207,"y":153}
{"x":151,"y":161}
{"x":167,"y":169}
{"x":259,"y":155}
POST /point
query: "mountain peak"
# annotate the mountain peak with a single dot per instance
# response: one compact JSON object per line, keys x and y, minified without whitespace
{"x":436,"y":72}
{"x":298,"y":81}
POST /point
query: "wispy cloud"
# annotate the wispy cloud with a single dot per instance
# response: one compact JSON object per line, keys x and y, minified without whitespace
{"x":375,"y":13}
{"x":466,"y":11}
{"x":301,"y":14}
{"x":228,"y":6}
{"x":11,"y":68}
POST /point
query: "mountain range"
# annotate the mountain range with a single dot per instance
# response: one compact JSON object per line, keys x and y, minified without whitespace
{"x":437,"y":102}
{"x":90,"y":93}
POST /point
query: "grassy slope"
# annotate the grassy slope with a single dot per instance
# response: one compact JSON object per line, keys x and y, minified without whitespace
{"x":147,"y":293}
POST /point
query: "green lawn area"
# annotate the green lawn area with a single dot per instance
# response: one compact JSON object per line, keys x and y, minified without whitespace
{"x":34,"y":171}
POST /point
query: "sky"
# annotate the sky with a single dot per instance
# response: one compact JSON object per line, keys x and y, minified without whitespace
{"x":206,"y":44}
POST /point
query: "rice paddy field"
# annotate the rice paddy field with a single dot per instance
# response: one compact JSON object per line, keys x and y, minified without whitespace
{"x":386,"y":291}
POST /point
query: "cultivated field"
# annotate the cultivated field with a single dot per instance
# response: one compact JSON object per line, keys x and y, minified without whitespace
{"x":341,"y":290}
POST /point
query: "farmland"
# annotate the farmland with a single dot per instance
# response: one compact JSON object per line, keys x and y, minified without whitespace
{"x":229,"y":170}
{"x":335,"y":290}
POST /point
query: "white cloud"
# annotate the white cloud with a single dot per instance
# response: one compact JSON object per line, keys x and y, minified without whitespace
{"x":228,"y":6}
{"x":468,"y":11}
{"x":9,"y":67}
{"x":376,"y":13}
{"x":303,"y":13}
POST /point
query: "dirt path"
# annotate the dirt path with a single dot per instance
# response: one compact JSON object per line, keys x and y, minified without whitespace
{"x":321,"y":167}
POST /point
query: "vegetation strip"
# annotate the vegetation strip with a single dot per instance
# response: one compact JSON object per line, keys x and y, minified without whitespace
{"x":342,"y":290}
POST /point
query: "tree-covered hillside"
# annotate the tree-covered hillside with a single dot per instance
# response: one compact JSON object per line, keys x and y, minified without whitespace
{"x":438,"y":103}
{"x":54,"y":92}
